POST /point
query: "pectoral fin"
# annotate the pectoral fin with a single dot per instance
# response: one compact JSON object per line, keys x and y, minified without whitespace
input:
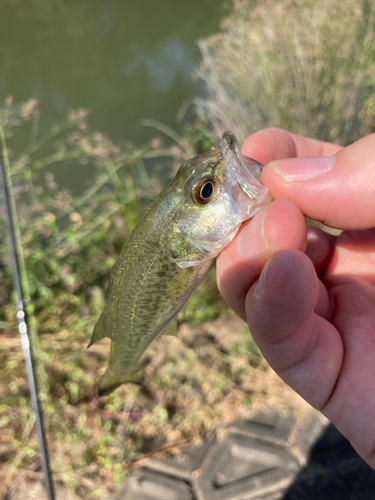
{"x":111,"y":380}
{"x":185,"y":253}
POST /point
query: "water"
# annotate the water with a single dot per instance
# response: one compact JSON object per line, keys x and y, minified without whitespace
{"x":122,"y":60}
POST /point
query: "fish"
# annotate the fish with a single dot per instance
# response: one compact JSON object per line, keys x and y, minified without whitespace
{"x":169,"y":251}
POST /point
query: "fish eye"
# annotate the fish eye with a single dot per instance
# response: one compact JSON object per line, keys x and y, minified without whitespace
{"x":204,"y":191}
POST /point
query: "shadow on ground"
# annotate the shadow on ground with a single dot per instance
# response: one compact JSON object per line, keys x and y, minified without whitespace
{"x":334,"y":472}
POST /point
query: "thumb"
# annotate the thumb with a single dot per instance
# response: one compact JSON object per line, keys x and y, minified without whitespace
{"x":337,"y":190}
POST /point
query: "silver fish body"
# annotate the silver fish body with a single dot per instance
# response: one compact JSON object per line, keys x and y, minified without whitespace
{"x":170,"y":250}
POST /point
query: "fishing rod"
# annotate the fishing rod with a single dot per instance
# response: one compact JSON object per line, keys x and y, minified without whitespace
{"x":22,"y":317}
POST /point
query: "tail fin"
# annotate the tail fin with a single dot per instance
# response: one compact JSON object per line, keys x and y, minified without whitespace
{"x":111,"y":380}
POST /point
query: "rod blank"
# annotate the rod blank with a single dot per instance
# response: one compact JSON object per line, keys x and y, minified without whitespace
{"x":23,"y":323}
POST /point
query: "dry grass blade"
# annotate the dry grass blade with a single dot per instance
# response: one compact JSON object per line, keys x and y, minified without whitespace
{"x":303,"y":66}
{"x":190,"y":151}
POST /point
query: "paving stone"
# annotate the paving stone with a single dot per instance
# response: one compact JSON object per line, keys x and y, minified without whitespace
{"x":242,"y":468}
{"x":268,"y":457}
{"x":184,"y":464}
{"x":307,"y":430}
{"x":267,"y":425}
{"x":147,"y":485}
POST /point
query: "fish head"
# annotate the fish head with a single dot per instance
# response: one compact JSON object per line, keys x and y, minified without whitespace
{"x":218,"y":190}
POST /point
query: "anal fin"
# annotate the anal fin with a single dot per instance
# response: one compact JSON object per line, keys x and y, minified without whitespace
{"x":99,"y":332}
{"x":171,"y":329}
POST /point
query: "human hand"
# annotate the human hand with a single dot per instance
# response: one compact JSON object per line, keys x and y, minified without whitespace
{"x":309,"y":297}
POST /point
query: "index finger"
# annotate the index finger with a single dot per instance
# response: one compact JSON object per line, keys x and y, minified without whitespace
{"x":274,"y":144}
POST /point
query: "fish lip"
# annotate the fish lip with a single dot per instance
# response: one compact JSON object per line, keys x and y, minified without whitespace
{"x":246,"y":171}
{"x":230,"y":140}
{"x":247,"y":164}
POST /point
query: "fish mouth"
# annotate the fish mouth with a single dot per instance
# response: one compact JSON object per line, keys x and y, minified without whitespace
{"x":247,"y":171}
{"x":247,"y":164}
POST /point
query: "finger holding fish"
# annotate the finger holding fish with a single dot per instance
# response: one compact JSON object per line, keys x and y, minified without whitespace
{"x":278,"y":226}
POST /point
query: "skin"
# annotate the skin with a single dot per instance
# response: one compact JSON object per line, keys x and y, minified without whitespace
{"x":309,"y":297}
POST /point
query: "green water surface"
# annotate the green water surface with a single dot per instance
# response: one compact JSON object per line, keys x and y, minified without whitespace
{"x":123,"y":60}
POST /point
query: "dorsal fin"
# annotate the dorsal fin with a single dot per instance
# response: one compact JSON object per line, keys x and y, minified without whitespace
{"x":99,"y":332}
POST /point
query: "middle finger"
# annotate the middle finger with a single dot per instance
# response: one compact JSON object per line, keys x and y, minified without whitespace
{"x":279,"y":226}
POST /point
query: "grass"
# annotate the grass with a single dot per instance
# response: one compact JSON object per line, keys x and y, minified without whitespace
{"x":300,"y":65}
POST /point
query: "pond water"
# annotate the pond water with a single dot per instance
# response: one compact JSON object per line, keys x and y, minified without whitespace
{"x":123,"y":60}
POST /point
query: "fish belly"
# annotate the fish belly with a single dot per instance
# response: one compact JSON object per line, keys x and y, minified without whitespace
{"x":147,"y":289}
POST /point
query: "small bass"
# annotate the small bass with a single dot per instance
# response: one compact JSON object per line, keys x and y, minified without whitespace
{"x":170,"y":250}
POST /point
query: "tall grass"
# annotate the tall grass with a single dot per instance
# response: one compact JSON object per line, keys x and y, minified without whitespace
{"x":307,"y":66}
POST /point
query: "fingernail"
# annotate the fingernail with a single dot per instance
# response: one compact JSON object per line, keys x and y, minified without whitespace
{"x":252,"y":240}
{"x":303,"y":169}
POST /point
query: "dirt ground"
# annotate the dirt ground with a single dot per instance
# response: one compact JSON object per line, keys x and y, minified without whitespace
{"x":221,"y":353}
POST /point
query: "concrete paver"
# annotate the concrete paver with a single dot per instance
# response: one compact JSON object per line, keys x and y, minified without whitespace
{"x":271,"y":456}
